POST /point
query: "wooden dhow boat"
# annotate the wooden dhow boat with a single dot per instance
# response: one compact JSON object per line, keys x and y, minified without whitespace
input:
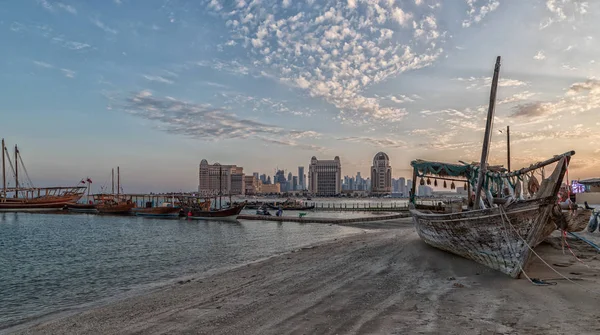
{"x":506,"y":217}
{"x":227,"y":214}
{"x":500,"y":235}
{"x":24,"y":197}
{"x":115,"y":204}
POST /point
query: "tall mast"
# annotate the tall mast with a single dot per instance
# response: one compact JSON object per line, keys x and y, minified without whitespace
{"x":118,"y":182}
{"x":3,"y":171}
{"x":113,"y":180}
{"x":488,"y":132}
{"x":508,"y":146}
{"x":16,"y":172}
{"x":220,"y":187}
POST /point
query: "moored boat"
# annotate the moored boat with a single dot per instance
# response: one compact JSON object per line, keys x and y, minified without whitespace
{"x":228,"y":214}
{"x":24,"y":197}
{"x":167,"y":210}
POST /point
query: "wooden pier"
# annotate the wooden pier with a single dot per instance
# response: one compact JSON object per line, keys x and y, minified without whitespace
{"x":322,"y":220}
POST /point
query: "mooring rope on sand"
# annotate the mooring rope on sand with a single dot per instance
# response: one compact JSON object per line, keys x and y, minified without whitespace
{"x":503,"y":212}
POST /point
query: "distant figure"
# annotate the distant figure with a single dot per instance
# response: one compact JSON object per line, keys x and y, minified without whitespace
{"x":279,"y":212}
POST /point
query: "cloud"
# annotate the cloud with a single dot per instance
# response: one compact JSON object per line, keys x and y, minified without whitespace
{"x":43,"y":64}
{"x":486,"y":82}
{"x":564,"y":10}
{"x":158,"y":79}
{"x":377,"y":142}
{"x":68,"y":73}
{"x":539,"y":55}
{"x":54,"y":7}
{"x":333,"y":52}
{"x":67,"y":8}
{"x":477,"y":13}
{"x":533,"y":109}
{"x":516,"y":97}
{"x":580,"y":97}
{"x":206,"y":122}
{"x":104,"y":27}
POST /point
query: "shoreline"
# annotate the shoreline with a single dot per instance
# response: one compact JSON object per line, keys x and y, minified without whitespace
{"x":150,"y":288}
{"x":378,"y":281}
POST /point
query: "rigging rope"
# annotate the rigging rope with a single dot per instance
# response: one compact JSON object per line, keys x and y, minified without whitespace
{"x":503,"y":212}
{"x":25,"y":169}
{"x":11,"y":164}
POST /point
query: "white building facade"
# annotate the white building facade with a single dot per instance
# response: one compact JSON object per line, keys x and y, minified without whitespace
{"x":215,"y":178}
{"x":325,"y":177}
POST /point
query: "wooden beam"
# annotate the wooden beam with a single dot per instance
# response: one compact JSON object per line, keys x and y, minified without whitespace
{"x":488,"y":132}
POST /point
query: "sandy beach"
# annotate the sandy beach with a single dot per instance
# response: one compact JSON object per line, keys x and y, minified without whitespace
{"x":382,"y":281}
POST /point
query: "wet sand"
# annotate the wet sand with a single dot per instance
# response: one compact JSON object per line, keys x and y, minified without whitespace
{"x":382,"y":281}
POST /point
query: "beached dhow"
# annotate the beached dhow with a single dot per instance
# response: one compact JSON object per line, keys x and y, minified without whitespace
{"x":508,"y":214}
{"x":24,"y":196}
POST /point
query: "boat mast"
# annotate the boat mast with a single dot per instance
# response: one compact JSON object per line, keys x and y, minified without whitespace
{"x":16,"y":172}
{"x":487,"y":136}
{"x":3,"y":171}
{"x":113,"y":180}
{"x":118,"y":182}
{"x":220,"y":187}
{"x":508,"y":146}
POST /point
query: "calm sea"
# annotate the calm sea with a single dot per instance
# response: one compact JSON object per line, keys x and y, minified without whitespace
{"x":51,"y":263}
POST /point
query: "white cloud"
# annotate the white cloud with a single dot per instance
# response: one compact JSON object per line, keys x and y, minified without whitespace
{"x":104,"y":27}
{"x":338,"y":50}
{"x":486,"y":82}
{"x":564,"y":10}
{"x":43,"y":64}
{"x":67,"y":8}
{"x":401,"y":16}
{"x":539,"y":55}
{"x":476,"y":14}
{"x":158,"y":79}
{"x":286,"y":3}
{"x":68,"y":73}
{"x":517,"y":97}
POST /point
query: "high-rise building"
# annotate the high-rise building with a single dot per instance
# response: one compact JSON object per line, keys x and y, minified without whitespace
{"x":263,"y":178}
{"x":217,"y":178}
{"x":289,"y":179}
{"x":381,"y":174}
{"x":301,"y":178}
{"x":325,"y":176}
{"x":251,"y":185}
{"x":268,"y":180}
{"x":280,"y":178}
{"x":402,"y":186}
{"x":255,"y":174}
{"x":295,"y":186}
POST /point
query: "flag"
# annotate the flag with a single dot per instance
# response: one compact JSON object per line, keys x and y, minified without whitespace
{"x":89,"y":180}
{"x":82,"y":181}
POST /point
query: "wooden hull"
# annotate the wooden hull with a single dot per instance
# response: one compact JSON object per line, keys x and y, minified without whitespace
{"x":229,"y":214}
{"x":115,"y":209}
{"x":42,"y":204}
{"x":157,"y":212}
{"x":83,"y":208}
{"x":485,"y":236}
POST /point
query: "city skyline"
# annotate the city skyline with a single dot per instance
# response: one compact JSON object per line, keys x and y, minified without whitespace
{"x":156,"y":87}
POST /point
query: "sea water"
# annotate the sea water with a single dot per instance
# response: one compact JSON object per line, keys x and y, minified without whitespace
{"x":51,"y":263}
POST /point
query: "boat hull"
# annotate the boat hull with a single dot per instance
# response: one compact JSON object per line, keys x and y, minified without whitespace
{"x":117,"y":209}
{"x":486,"y":236}
{"x":157,"y":212}
{"x":37,"y":205}
{"x":228,"y":214}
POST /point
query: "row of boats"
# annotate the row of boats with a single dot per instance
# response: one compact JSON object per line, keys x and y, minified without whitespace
{"x":24,"y":197}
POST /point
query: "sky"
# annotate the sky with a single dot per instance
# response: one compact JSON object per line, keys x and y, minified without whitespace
{"x":155,"y":86}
